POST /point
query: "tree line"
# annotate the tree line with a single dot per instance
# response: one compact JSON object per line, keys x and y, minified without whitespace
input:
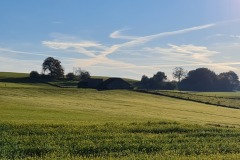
{"x":200,"y":79}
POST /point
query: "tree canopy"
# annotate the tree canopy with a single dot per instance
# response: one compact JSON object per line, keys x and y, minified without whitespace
{"x":158,"y":81}
{"x":203,"y":79}
{"x":84,"y":75}
{"x":53,"y":66}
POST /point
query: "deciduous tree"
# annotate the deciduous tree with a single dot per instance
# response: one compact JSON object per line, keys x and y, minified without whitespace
{"x":53,"y":66}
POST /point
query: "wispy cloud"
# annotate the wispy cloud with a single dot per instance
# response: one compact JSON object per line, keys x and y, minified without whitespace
{"x":98,"y":53}
{"x":16,"y":65}
{"x":226,"y":35}
{"x":145,"y":39}
{"x":43,"y":54}
{"x":118,"y":35}
{"x":86,"y":47}
{"x":186,"y":52}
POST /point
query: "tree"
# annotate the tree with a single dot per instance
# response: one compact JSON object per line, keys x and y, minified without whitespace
{"x":77,"y":71}
{"x":201,"y":79}
{"x":155,"y":82}
{"x":70,"y":76}
{"x":84,"y":75}
{"x":228,"y":81}
{"x":159,"y":77}
{"x":144,"y":80}
{"x":179,"y":73}
{"x":54,"y":67}
{"x":34,"y":75}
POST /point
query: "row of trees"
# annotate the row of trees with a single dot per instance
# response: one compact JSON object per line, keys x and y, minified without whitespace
{"x":52,"y":69}
{"x":201,"y":79}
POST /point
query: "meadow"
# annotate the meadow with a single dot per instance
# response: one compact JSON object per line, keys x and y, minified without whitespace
{"x":224,"y":99}
{"x":39,"y":121}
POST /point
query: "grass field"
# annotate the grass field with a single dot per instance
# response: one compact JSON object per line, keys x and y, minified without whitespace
{"x":41,"y":121}
{"x":13,"y":75}
{"x":225,"y":99}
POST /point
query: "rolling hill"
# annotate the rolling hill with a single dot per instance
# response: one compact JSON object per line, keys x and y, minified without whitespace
{"x":42,"y":121}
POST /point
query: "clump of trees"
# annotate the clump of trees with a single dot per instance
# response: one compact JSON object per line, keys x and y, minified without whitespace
{"x":200,"y":79}
{"x":158,"y":81}
{"x":52,"y":70}
{"x":78,"y":74}
{"x":203,"y":79}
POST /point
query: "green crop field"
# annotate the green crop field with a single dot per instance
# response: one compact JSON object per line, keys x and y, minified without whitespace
{"x":38,"y":121}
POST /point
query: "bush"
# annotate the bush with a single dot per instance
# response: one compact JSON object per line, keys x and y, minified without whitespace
{"x":34,"y":75}
{"x":84,"y":75}
{"x":70,"y":76}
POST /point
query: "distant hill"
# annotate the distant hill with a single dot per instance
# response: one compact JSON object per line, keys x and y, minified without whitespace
{"x":4,"y":75}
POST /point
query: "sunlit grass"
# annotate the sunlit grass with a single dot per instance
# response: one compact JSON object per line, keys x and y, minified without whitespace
{"x":137,"y":140}
{"x":38,"y":121}
{"x":224,"y":99}
{"x":56,"y":105}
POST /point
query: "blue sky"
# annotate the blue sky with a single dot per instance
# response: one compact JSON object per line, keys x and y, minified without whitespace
{"x":120,"y":38}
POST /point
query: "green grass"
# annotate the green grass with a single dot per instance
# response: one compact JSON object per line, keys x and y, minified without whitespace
{"x":224,"y":99}
{"x":41,"y":121}
{"x":42,"y":104}
{"x":162,"y":140}
{"x":13,"y":75}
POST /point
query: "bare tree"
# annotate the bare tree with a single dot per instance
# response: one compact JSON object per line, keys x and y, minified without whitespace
{"x":179,"y":73}
{"x":77,"y":71}
{"x":84,"y":75}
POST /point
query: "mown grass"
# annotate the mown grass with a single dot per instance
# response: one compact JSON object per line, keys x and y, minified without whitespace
{"x":113,"y":140}
{"x":224,"y":99}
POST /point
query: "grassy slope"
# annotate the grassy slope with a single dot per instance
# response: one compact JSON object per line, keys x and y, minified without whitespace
{"x":44,"y":121}
{"x":41,"y":104}
{"x":224,"y":99}
{"x":13,"y":75}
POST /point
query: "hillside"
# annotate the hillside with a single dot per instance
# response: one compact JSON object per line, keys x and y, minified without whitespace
{"x":12,"y":75}
{"x":221,"y":99}
{"x":41,"y":121}
{"x":35,"y":102}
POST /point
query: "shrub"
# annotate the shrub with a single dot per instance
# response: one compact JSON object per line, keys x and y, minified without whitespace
{"x":34,"y":75}
{"x":70,"y":76}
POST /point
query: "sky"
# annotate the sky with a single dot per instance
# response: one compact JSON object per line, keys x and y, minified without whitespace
{"x":120,"y":38}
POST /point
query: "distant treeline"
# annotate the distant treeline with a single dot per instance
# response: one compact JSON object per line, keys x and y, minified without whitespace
{"x":201,"y":79}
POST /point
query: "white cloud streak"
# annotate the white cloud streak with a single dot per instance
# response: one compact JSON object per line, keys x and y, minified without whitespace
{"x":145,"y":39}
{"x":186,"y":52}
{"x":92,"y":48}
{"x":117,"y":35}
{"x":32,"y":53}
